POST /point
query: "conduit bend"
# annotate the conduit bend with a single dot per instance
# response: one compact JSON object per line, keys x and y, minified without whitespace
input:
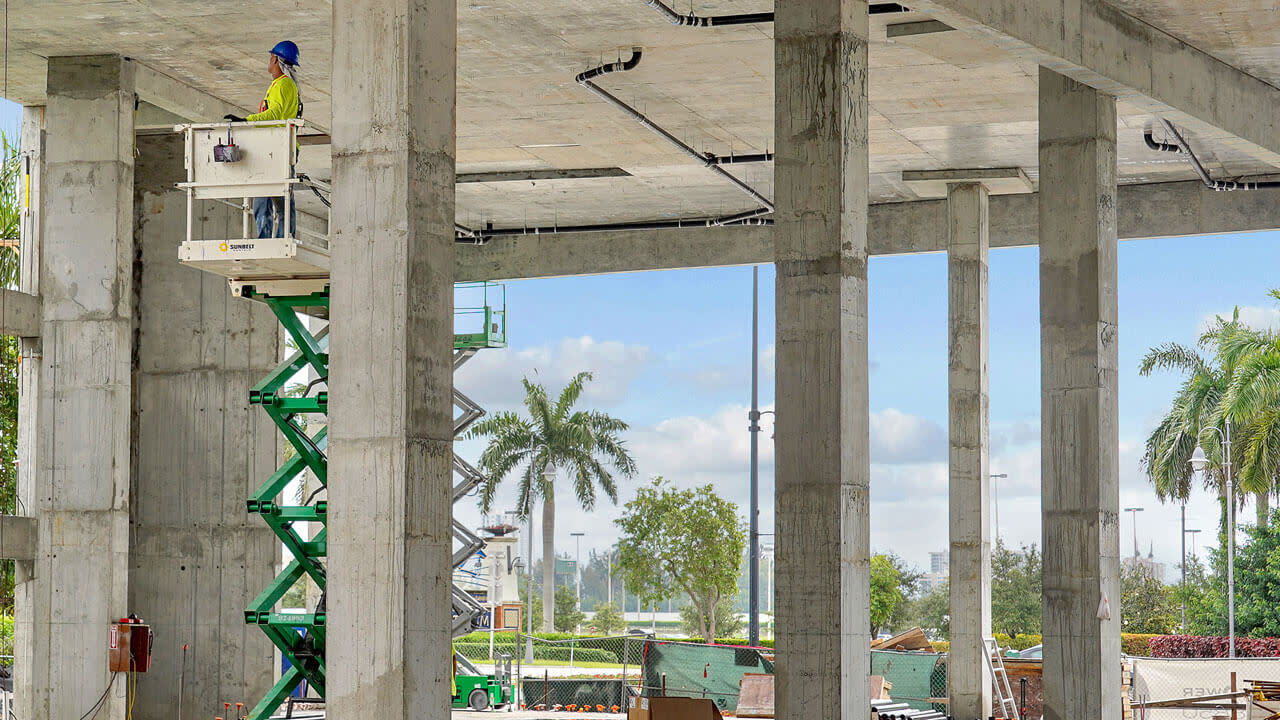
{"x":692,"y":20}
{"x":585,"y":79}
{"x":1183,"y":147}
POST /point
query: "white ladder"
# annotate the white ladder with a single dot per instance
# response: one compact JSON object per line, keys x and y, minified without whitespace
{"x":1004,"y":706}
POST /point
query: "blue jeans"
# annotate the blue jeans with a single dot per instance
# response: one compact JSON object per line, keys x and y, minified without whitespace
{"x":266,"y":210}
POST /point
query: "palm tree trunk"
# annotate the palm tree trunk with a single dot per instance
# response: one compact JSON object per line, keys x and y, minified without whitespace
{"x":1264,"y":509}
{"x":549,"y":561}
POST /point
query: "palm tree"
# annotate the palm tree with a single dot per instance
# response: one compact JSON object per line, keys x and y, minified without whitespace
{"x":553,"y":436}
{"x":1254,"y":393}
{"x":1206,"y":398}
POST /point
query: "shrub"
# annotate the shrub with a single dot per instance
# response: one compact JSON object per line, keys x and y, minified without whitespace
{"x":480,"y":651}
{"x":1021,"y":641}
{"x":940,"y":646}
{"x":6,"y":637}
{"x":1136,"y":643}
{"x":1191,"y":646}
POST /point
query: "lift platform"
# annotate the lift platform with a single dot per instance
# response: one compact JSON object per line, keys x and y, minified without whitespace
{"x":231,"y":163}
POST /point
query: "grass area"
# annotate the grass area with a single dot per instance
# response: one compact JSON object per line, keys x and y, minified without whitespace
{"x":566,"y":663}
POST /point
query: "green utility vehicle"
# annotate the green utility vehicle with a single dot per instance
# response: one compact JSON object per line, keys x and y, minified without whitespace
{"x":481,"y":692}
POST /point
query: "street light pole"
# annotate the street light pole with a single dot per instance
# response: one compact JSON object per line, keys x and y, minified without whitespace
{"x":1184,"y":567}
{"x":1198,"y":462}
{"x":577,"y":566}
{"x":528,"y":609}
{"x":753,"y":513}
{"x":1135,"y":511}
{"x":1231,"y":545}
{"x":995,"y":505}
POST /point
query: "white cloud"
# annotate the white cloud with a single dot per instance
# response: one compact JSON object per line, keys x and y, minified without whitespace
{"x":900,"y":438}
{"x":493,"y":378}
{"x":1258,"y":318}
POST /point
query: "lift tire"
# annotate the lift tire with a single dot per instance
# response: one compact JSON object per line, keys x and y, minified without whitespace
{"x":478,"y":699}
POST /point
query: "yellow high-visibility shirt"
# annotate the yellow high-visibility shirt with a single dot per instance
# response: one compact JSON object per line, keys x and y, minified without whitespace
{"x":281,"y":102}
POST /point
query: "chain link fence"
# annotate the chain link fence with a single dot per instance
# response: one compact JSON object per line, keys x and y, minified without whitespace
{"x":697,"y":670}
{"x":1160,"y":680}
{"x":591,"y":674}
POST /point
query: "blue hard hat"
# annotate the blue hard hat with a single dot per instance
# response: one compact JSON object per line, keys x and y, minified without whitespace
{"x":287,"y":51}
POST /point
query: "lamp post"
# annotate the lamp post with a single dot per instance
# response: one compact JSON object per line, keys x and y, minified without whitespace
{"x":609,"y":570}
{"x":577,"y":566}
{"x":1192,"y":533}
{"x":1135,"y":511}
{"x":528,"y":609}
{"x":1184,"y":567}
{"x":753,"y":519}
{"x":995,"y":505}
{"x":1199,"y":462}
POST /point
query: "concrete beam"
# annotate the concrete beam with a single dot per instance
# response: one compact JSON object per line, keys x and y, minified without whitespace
{"x":19,"y":314}
{"x":18,"y":537}
{"x":173,"y":95}
{"x":1143,"y":211}
{"x":1098,"y":45}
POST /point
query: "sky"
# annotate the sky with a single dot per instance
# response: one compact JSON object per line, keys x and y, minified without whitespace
{"x":670,"y":352}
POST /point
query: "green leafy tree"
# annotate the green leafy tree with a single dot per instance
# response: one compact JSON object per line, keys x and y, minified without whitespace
{"x":1147,"y":605}
{"x":886,"y":591}
{"x":931,"y":613}
{"x":682,"y":541}
{"x":568,"y":616}
{"x":909,"y":585}
{"x":1202,"y":596}
{"x":1015,"y":590}
{"x":728,"y":623}
{"x":534,"y":608}
{"x":1258,"y":581}
{"x":554,"y":436}
{"x":608,"y":620}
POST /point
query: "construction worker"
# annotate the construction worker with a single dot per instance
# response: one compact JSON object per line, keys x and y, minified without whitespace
{"x":281,"y":103}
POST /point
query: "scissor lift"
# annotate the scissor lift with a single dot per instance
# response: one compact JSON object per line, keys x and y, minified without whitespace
{"x":290,"y":275}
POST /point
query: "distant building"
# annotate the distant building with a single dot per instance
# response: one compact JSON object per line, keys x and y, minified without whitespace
{"x":939,"y":572}
{"x":1148,"y":563}
{"x":939,"y":563}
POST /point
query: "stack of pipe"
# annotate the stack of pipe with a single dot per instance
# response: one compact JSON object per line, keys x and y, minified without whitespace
{"x":894,"y":710}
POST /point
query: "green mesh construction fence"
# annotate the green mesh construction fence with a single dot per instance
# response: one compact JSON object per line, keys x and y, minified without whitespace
{"x":916,"y":676}
{"x":701,"y":671}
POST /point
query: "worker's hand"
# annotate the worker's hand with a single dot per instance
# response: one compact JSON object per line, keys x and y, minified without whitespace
{"x":233,"y":118}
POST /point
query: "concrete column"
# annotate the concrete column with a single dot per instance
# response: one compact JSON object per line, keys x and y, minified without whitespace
{"x":76,"y":470}
{"x":25,"y":643}
{"x":391,"y":378}
{"x":1079,"y":406}
{"x":969,"y":681}
{"x":823,"y":465}
{"x":197,"y":558}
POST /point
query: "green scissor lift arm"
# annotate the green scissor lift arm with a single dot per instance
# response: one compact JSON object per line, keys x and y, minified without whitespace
{"x":301,"y":637}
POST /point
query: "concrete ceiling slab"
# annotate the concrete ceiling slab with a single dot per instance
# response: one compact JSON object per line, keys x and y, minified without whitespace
{"x":938,"y":100}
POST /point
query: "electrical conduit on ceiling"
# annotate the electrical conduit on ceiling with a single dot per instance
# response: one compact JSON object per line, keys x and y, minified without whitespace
{"x":691,"y":20}
{"x":1181,"y":146}
{"x":586,"y":79}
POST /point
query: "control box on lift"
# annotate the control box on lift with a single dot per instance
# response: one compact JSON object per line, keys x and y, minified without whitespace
{"x":129,"y":646}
